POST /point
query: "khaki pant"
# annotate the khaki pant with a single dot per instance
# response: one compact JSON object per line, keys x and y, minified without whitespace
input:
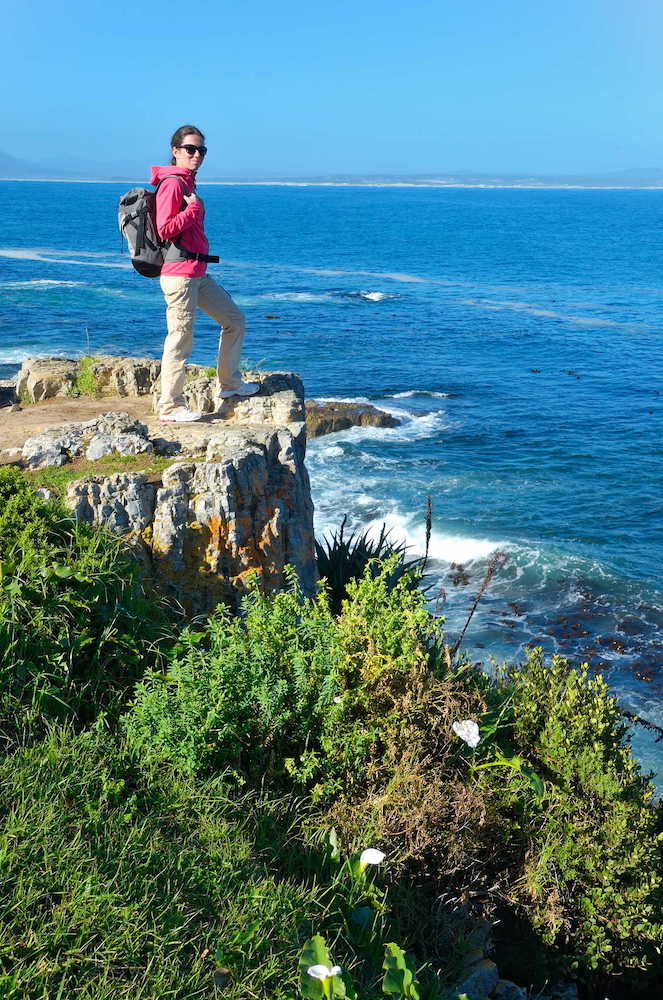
{"x":183,"y":296}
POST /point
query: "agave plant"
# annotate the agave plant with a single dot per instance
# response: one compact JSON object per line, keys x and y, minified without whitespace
{"x":343,"y":558}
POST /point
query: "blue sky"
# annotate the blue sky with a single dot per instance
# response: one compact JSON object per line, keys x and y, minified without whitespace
{"x":290,"y":89}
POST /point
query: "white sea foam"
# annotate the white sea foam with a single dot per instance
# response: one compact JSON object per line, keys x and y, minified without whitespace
{"x":413,"y":428}
{"x":313,"y":297}
{"x":39,"y":283}
{"x":395,"y":411}
{"x":373,"y":296}
{"x":446,"y":548}
{"x":62,"y":257}
{"x":410,"y":393}
{"x":333,"y":272}
{"x":294,"y":297}
{"x":16,"y":355}
{"x":343,"y":399}
{"x":496,"y":305}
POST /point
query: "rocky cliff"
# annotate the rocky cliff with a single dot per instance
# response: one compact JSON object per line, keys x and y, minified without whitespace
{"x":235,"y":499}
{"x":207,"y":526}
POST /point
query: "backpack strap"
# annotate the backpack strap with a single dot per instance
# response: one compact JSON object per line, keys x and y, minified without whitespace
{"x":188,"y":254}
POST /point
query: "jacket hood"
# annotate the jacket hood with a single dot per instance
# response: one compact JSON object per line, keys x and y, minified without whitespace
{"x":158,"y":173}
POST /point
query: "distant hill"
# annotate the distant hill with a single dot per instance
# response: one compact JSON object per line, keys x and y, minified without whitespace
{"x":10,"y":166}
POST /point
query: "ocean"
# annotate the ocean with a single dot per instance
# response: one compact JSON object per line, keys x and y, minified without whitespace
{"x":515,"y":332}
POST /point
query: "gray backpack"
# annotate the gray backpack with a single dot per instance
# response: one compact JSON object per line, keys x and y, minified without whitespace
{"x":137,"y":219}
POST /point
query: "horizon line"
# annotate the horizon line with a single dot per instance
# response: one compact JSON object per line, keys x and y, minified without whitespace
{"x":432,"y":184}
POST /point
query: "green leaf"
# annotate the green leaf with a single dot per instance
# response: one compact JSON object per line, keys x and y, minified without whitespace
{"x":314,"y":952}
{"x":243,"y":937}
{"x":535,"y":781}
{"x":7,"y":568}
{"x":399,"y":973}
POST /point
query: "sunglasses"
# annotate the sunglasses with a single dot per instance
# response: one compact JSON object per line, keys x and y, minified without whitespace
{"x":192,"y":150}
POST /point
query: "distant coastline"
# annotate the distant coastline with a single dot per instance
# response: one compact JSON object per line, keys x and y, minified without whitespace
{"x":433,"y":184}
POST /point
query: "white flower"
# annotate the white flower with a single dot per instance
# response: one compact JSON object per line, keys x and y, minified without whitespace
{"x":323,"y":971}
{"x":371,"y":856}
{"x":338,"y":699}
{"x":468,"y":731}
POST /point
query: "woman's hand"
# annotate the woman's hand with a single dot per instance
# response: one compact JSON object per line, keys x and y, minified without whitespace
{"x":191,"y":198}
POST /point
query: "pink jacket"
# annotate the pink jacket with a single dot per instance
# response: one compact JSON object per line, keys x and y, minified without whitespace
{"x":185,"y":226}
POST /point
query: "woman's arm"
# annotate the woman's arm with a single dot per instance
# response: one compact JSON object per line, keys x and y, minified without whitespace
{"x":170,"y":221}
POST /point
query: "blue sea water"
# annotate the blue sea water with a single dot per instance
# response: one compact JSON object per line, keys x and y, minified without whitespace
{"x":516,"y":332}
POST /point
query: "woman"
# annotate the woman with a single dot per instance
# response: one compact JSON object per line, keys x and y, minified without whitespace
{"x":186,"y":285}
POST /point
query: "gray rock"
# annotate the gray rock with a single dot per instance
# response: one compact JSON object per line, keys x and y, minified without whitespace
{"x":279,"y":401}
{"x":506,"y":990}
{"x":163,"y":446}
{"x":133,"y":444}
{"x":121,"y":444}
{"x":104,"y":435}
{"x":210,"y":524}
{"x":54,"y":446}
{"x":44,"y":378}
{"x":44,"y":457}
{"x":116,"y":423}
{"x":327,"y":418}
{"x":45,"y":494}
{"x":100,"y":446}
{"x":479,"y":980}
{"x":123,"y":503}
{"x":115,"y":376}
{"x":199,"y":395}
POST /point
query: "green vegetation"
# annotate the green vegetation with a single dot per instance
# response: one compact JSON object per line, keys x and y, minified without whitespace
{"x":86,"y":382}
{"x":204,"y":373}
{"x":593,"y":877}
{"x":75,"y":629}
{"x":343,"y":559}
{"x":57,"y":478}
{"x":119,"y":883}
{"x":183,"y":810}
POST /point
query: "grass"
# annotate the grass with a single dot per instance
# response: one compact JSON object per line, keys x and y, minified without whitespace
{"x":117,"y":884}
{"x":58,"y":478}
{"x":120,"y":883}
{"x":194,"y":376}
{"x":86,"y":382}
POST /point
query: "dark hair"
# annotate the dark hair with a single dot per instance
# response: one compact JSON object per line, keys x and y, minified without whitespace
{"x":183,"y":131}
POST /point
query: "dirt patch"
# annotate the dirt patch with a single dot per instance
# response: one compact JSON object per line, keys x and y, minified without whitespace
{"x":18,"y":425}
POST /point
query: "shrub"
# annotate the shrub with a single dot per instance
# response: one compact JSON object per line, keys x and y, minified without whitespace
{"x":593,"y":877}
{"x":346,"y":707}
{"x":86,"y":381}
{"x":245,"y":693}
{"x":391,"y":705}
{"x":549,"y":812}
{"x":75,"y":631}
{"x":344,"y":559}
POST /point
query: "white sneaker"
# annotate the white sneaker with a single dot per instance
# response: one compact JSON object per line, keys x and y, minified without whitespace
{"x":182,"y":415}
{"x":243,"y":389}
